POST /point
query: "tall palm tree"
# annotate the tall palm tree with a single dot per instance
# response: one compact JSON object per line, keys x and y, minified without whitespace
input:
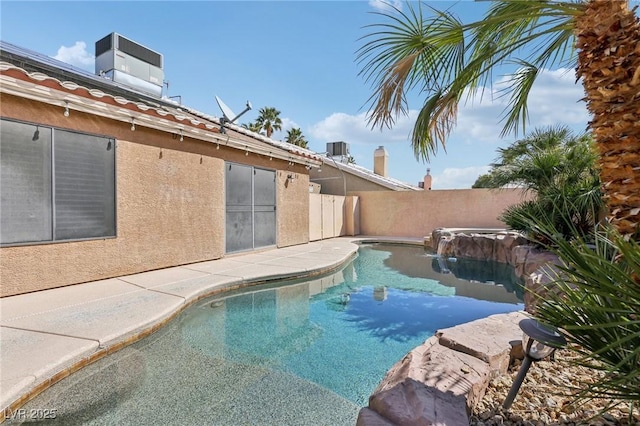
{"x":295,"y":136}
{"x":269,"y":120}
{"x":451,"y":60}
{"x":253,"y":126}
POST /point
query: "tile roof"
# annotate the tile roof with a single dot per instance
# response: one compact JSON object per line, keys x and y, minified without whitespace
{"x":18,"y":64}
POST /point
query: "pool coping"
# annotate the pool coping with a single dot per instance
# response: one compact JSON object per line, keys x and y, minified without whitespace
{"x":40,"y":313}
{"x":442,"y":380}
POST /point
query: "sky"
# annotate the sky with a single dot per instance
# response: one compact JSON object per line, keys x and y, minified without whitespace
{"x":296,"y":56}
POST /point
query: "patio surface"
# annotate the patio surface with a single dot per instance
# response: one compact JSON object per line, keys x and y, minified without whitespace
{"x":47,"y":335}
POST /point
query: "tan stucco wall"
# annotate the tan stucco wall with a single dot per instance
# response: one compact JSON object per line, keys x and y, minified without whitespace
{"x":329,"y":216}
{"x":352,"y":215}
{"x":417,"y":213}
{"x":170,"y":205}
{"x":292,"y":208}
{"x":173,"y":204}
{"x":315,"y":217}
{"x":170,"y":211}
{"x":332,"y":216}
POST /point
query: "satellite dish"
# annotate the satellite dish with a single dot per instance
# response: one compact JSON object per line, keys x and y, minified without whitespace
{"x":228,"y":116}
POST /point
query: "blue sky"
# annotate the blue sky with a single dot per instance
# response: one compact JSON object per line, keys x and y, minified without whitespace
{"x":296,"y":56}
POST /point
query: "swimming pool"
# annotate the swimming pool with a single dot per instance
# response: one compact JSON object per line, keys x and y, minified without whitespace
{"x":287,"y":353}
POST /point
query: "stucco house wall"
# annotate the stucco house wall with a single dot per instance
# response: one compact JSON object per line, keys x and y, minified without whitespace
{"x":293,"y":208}
{"x":170,"y":205}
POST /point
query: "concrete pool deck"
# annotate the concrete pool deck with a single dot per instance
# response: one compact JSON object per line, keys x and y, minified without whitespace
{"x":47,"y":335}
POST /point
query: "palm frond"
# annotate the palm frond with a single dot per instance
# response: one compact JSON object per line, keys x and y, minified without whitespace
{"x":595,"y":300}
{"x":443,"y":57}
{"x":521,"y":84}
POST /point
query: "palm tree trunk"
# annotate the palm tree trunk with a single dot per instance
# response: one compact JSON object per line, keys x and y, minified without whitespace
{"x":608,"y":41}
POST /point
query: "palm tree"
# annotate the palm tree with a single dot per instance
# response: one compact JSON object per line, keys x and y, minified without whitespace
{"x":483,"y":181}
{"x":269,"y":120}
{"x":545,"y":158}
{"x":560,"y":169}
{"x":295,"y":137}
{"x":253,"y":126}
{"x":451,"y":60}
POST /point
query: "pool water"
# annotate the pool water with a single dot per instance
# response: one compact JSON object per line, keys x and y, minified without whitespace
{"x":289,"y":353}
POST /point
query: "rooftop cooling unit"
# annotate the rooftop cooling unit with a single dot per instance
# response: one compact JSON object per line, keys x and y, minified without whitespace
{"x":336,"y":149}
{"x":130,"y":63}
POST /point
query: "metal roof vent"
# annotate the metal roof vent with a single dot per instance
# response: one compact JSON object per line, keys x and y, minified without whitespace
{"x":129,"y":63}
{"x":338,"y":149}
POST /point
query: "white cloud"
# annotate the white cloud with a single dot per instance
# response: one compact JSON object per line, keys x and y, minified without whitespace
{"x":76,"y":55}
{"x":457,"y":178}
{"x":386,"y":5}
{"x":287,"y":124}
{"x":354,"y":129}
{"x":554,"y":99}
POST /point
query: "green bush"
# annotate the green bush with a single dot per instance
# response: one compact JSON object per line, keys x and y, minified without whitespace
{"x":560,"y":169}
{"x":572,"y":211}
{"x":598,"y":308}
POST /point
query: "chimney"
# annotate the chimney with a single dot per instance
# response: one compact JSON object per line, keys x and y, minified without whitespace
{"x":380,"y":158}
{"x":427,"y":180}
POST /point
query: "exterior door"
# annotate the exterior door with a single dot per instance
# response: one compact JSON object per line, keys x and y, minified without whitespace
{"x":250,"y":207}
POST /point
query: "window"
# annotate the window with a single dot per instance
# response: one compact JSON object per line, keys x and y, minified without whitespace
{"x":55,"y":185}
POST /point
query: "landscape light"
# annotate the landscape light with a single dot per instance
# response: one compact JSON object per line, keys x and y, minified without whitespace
{"x":538,"y":342}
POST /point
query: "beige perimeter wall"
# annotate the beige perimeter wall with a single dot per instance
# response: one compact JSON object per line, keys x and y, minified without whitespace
{"x":326,"y":216}
{"x":333,"y":216}
{"x":417,"y":213}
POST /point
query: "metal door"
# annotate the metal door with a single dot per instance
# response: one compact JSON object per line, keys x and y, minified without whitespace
{"x":250,"y":207}
{"x":264,"y":207}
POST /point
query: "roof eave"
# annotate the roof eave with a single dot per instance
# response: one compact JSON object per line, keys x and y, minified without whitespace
{"x":47,"y":89}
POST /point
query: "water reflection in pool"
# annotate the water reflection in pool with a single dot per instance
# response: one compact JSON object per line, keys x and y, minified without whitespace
{"x":288,"y":353}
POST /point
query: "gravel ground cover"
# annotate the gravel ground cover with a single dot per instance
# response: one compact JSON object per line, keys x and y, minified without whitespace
{"x":544,"y":398}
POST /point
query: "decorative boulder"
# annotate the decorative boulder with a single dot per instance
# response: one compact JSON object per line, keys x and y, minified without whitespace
{"x":482,"y":246}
